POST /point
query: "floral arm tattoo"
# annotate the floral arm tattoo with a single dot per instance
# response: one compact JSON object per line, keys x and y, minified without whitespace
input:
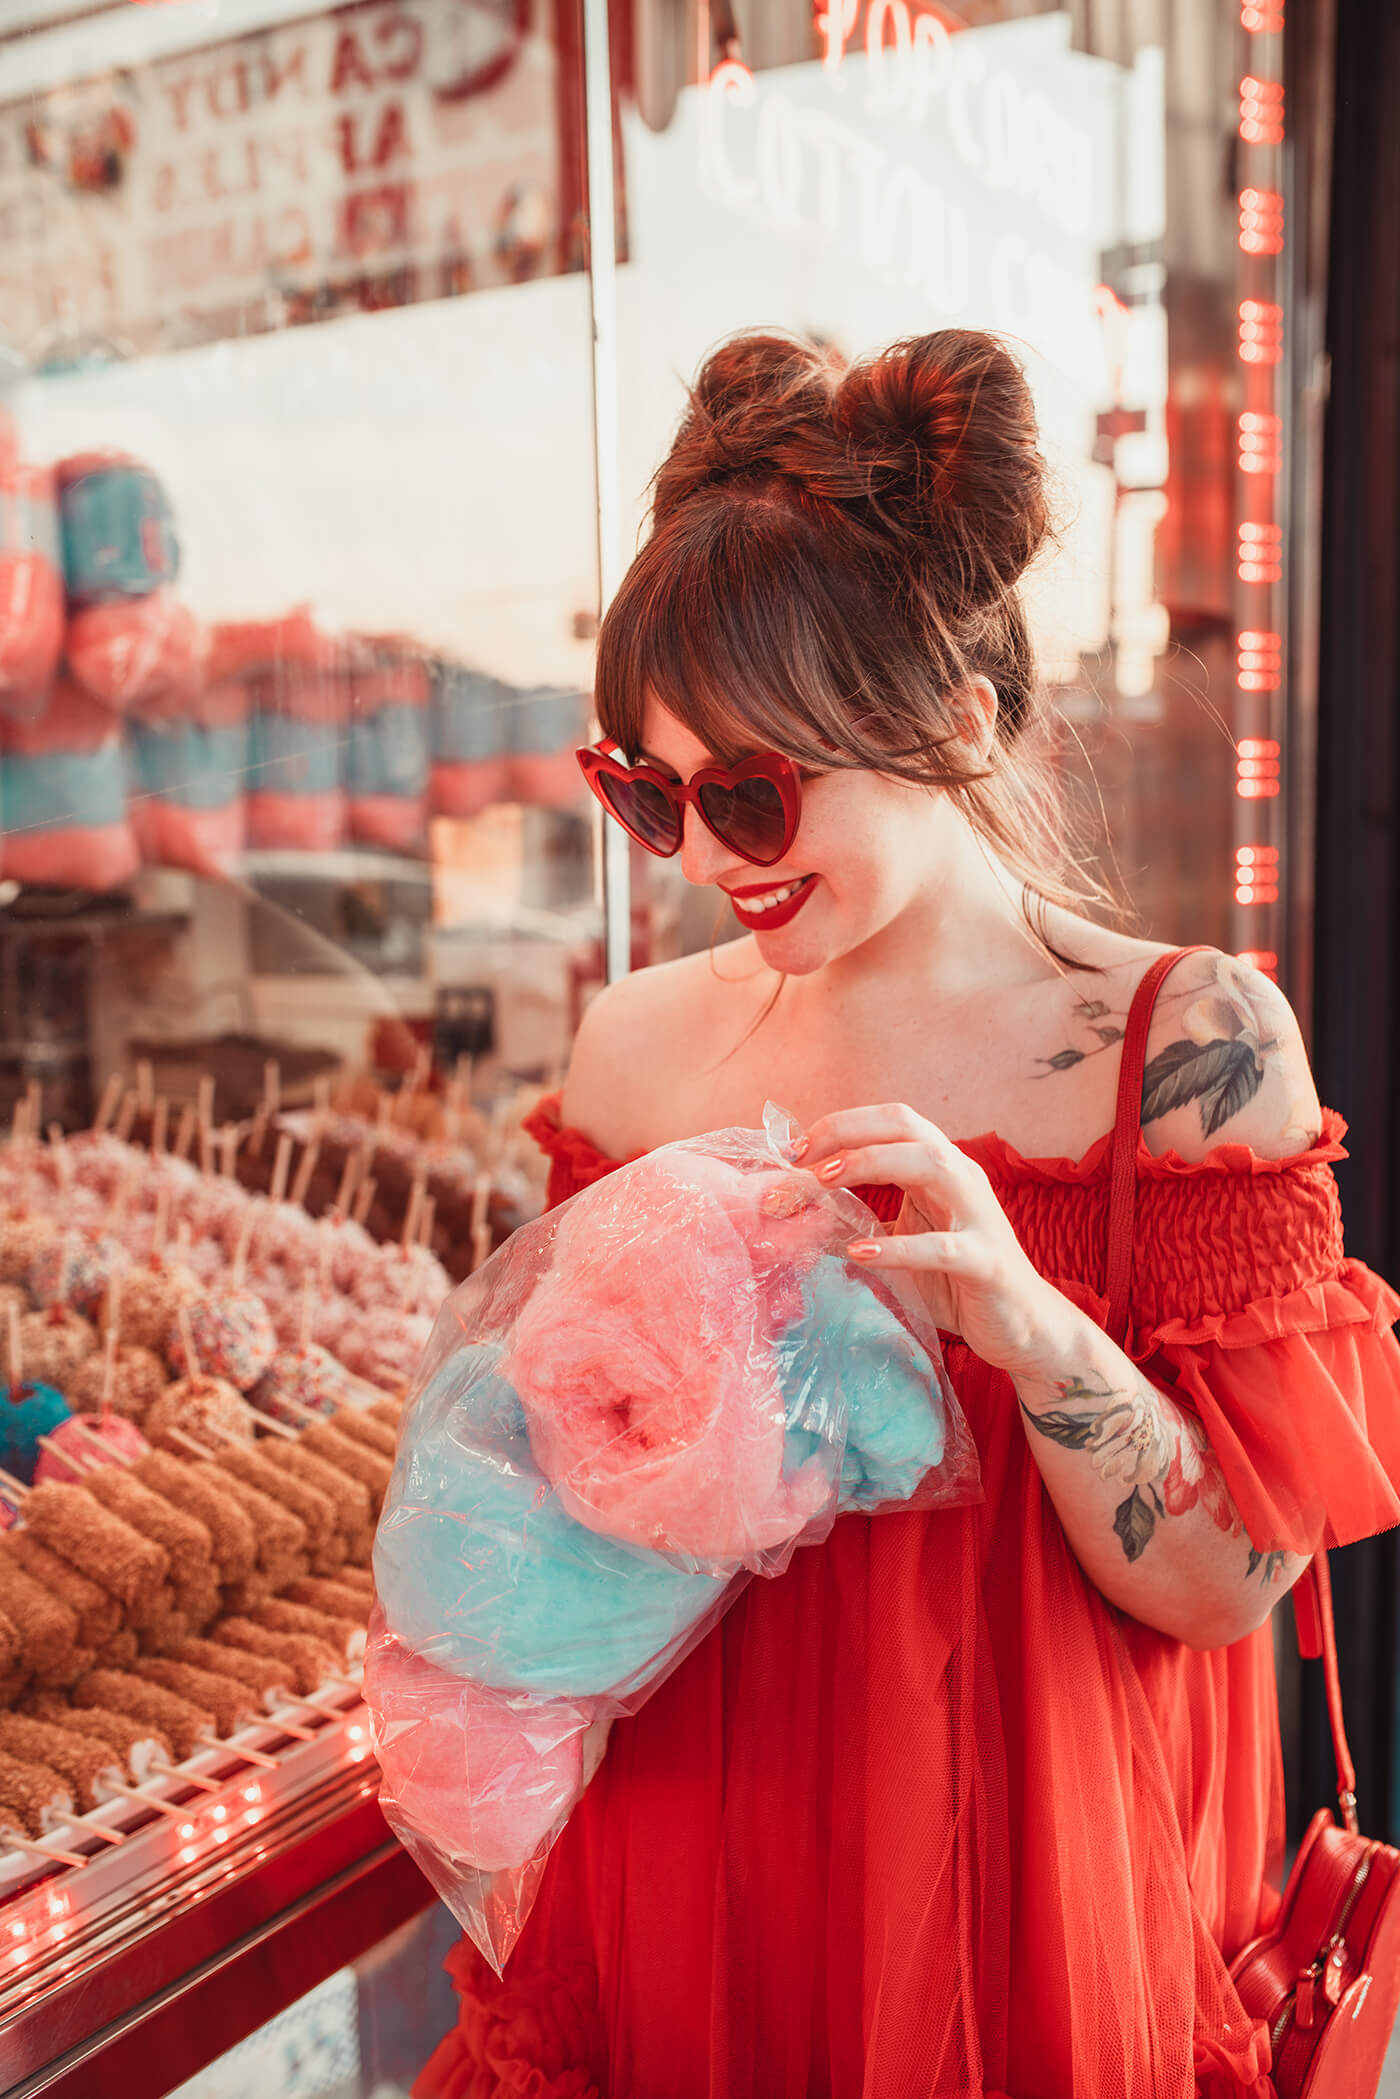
{"x":1141,"y":1440}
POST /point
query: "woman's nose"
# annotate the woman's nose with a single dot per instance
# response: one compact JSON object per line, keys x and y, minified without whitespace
{"x":703,"y":858}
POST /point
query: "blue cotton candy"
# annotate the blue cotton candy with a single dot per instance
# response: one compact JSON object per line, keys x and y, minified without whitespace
{"x":27,"y":1412}
{"x":849,"y":1345}
{"x":480,"y":1570}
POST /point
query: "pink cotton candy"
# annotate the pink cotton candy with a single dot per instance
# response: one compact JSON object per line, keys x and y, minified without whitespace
{"x":484,"y":1776}
{"x":665,"y":1426}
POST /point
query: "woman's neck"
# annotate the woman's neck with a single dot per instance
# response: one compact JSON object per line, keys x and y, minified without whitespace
{"x":957,"y":938}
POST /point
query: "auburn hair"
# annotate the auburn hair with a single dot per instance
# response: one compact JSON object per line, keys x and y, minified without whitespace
{"x":835,"y":554}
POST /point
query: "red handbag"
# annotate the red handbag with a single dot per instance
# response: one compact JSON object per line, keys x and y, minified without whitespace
{"x":1327,"y":1977}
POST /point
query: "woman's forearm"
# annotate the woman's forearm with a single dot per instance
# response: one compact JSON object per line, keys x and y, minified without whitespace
{"x":1140,"y":1493}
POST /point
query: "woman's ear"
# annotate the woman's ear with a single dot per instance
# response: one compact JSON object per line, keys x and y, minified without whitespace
{"x":976,"y":706}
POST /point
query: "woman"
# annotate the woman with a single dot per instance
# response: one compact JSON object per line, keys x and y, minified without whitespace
{"x":980,"y":1802}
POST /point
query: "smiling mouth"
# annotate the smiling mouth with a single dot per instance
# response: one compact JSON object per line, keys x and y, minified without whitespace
{"x":772,"y":907}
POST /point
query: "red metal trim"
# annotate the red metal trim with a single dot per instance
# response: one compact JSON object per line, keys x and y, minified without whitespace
{"x":174,"y":1999}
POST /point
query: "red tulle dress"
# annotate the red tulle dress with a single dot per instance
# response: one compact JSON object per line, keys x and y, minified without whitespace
{"x":927,"y":1817}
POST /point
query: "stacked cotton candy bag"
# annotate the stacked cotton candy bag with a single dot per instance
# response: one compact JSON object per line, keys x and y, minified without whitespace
{"x":130,"y":640}
{"x":63,"y":796}
{"x":470,"y":735}
{"x":662,"y":1388}
{"x":187,"y":774}
{"x":31,"y":581}
{"x":299,"y":684}
{"x":386,"y":759}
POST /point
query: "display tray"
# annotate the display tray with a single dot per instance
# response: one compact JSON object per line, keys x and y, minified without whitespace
{"x":127,"y":1974}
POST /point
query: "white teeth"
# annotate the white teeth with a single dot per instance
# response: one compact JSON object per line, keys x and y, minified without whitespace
{"x":754,"y":904}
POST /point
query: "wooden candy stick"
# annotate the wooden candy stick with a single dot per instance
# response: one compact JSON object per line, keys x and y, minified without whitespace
{"x":427,"y":1217}
{"x":349,"y":1173}
{"x":93,"y":1829}
{"x":186,"y":1778}
{"x":280,"y":1166}
{"x":107,"y":1106}
{"x":272,"y":1085}
{"x":249,"y":1756}
{"x":241,"y":1245}
{"x":76,"y":1463}
{"x":480,"y":1221}
{"x":62,"y":1158}
{"x":160,"y":1124}
{"x":13,"y":1490}
{"x":34,"y":1102}
{"x":364,"y":1200}
{"x":289,"y":1727}
{"x":192,"y":1368}
{"x":258,"y":1133}
{"x":416,"y":1196}
{"x":278,"y":1428}
{"x":162,"y":1807}
{"x":126,"y":1118}
{"x":228,"y":1145}
{"x":298,"y":1411}
{"x":206,"y":1100}
{"x":116,"y":1215}
{"x":184,"y":1134}
{"x":109,"y":1371}
{"x":302,"y":1184}
{"x":105,"y":1453}
{"x":145,"y":1084}
{"x":206,"y":1149}
{"x":11,"y":1840}
{"x":189,"y":1443}
{"x":323,"y":1705}
{"x":16,"y":1348}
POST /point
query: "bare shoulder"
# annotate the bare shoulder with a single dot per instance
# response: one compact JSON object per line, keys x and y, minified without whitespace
{"x":644,"y":1039}
{"x":1226,"y":1064}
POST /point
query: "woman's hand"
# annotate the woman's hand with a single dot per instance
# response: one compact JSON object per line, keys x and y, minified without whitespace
{"x":951,"y":1233}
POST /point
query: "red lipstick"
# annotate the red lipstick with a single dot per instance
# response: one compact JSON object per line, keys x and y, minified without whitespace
{"x":780,"y":915}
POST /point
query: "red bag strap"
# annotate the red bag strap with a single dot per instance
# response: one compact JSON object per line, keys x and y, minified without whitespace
{"x":1127,"y":1122}
{"x":1312,"y":1592}
{"x":1317,"y":1635}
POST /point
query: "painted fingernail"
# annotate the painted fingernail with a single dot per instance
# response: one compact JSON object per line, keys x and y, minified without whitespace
{"x":864,"y":1250}
{"x":832,"y":1170}
{"x":798,"y":1149}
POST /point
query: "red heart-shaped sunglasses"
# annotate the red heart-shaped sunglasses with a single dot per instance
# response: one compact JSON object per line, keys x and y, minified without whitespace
{"x":753,"y":809}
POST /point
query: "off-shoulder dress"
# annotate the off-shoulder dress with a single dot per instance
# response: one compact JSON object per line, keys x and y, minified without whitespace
{"x":927,"y":1817}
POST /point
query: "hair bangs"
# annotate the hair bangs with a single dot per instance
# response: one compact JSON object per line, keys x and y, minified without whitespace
{"x":721,"y":620}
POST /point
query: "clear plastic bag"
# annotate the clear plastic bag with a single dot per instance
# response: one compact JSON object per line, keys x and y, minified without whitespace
{"x":651,"y":1394}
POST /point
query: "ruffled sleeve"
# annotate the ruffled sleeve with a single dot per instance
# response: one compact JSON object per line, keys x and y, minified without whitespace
{"x":574,"y":1160}
{"x":1290,"y":1361}
{"x":1300,"y":1398}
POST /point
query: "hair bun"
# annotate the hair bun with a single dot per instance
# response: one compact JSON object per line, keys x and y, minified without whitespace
{"x":761,"y":408}
{"x":946,"y":429}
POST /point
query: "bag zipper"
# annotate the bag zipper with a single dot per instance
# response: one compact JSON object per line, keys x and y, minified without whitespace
{"x":1338,"y":1938}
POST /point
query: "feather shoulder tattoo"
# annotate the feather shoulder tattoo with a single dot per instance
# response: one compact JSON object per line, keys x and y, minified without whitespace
{"x":1228,"y":1035}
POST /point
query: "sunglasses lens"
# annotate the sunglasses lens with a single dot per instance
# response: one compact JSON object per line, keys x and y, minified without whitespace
{"x":750,"y":818}
{"x":644,"y":810}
